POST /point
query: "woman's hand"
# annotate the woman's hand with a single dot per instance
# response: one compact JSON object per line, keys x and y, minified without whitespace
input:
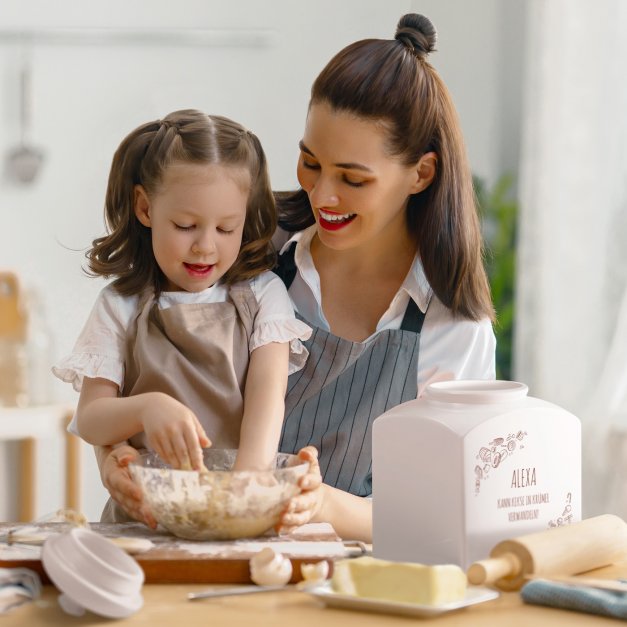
{"x":117,"y":479}
{"x":305,"y":506}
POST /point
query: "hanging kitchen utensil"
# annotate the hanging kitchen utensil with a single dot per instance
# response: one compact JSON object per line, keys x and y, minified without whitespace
{"x":24,"y":161}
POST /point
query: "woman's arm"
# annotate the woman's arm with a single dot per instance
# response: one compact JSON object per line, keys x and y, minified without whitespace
{"x":350,"y":515}
{"x":172,"y":430}
{"x":264,"y":406}
{"x":113,"y":463}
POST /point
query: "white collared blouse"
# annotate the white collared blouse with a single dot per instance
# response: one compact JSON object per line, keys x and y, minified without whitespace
{"x":450,"y":347}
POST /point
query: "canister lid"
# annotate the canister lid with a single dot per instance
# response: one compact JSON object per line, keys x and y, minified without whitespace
{"x":476,"y":391}
{"x":93,"y":574}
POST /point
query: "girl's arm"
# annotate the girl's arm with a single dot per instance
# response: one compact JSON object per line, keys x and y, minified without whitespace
{"x":103,"y":418}
{"x":172,"y":430}
{"x":350,"y":515}
{"x":264,"y":406}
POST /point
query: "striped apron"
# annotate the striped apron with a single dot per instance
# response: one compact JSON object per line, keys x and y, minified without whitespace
{"x":332,"y":402}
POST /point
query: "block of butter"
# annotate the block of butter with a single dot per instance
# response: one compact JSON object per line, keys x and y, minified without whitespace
{"x":399,"y":581}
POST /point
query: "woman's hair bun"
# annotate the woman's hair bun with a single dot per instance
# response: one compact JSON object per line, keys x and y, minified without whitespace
{"x":417,"y":33}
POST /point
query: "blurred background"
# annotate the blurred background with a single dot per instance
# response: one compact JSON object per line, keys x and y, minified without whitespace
{"x":540,"y":90}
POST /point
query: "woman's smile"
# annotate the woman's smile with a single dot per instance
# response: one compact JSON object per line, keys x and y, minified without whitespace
{"x":332,"y":221}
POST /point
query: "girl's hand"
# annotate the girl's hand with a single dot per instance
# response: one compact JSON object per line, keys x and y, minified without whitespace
{"x":173,"y":432}
{"x":305,"y":506}
{"x":117,"y":479}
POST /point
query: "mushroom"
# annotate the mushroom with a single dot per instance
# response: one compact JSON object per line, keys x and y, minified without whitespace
{"x":268,"y":568}
{"x":315,"y":573}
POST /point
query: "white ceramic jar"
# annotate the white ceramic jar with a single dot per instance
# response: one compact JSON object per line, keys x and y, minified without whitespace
{"x":467,"y":465}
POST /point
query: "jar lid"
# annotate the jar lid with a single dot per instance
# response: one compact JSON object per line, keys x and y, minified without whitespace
{"x":476,"y":391}
{"x":93,"y":574}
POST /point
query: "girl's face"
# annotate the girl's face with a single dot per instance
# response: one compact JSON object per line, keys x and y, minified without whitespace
{"x":358,"y":192}
{"x":197,"y":219}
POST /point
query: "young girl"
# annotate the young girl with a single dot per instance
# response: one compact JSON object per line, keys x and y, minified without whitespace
{"x":189,"y":345}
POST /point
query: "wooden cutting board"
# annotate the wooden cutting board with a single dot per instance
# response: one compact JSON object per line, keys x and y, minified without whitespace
{"x":174,"y":560}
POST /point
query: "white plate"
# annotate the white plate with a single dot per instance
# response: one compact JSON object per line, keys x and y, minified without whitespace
{"x":324,"y":592}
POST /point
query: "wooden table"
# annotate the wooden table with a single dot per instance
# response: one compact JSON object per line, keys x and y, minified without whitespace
{"x":168,"y":605}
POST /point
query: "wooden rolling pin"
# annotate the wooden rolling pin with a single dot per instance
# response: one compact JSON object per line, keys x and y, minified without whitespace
{"x":566,"y":550}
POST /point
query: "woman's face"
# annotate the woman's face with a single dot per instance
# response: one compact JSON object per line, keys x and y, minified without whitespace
{"x":358,"y":192}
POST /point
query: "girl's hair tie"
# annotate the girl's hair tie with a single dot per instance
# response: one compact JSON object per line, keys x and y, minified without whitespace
{"x":167,"y":124}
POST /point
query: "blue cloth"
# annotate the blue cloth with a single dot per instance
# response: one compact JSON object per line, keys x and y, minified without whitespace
{"x":576,"y":598}
{"x":17,"y":586}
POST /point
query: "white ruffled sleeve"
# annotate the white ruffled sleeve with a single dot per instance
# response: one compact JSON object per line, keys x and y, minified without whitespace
{"x":100,"y":348}
{"x":275,"y":320}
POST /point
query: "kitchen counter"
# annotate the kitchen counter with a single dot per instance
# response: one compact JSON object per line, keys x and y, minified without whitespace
{"x":168,"y":605}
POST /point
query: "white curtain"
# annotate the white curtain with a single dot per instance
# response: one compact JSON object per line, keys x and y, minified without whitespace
{"x":571,"y":330}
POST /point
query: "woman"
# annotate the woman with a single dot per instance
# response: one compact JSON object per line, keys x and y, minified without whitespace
{"x":385,"y":264}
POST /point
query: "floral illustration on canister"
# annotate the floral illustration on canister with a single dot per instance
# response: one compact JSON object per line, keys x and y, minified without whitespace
{"x":567,"y":514}
{"x":491,"y":456}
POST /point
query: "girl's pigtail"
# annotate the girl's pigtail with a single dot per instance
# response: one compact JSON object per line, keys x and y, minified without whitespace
{"x":126,"y":251}
{"x":257,"y":252}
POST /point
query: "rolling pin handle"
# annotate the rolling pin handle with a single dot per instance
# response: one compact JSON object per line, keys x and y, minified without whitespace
{"x":490,"y":570}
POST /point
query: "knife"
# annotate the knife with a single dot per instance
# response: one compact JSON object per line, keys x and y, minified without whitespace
{"x":235,"y":590}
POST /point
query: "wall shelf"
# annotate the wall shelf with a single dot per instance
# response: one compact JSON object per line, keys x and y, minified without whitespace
{"x":185,"y":37}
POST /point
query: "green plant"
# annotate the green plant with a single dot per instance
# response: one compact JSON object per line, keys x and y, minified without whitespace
{"x":499,"y":209}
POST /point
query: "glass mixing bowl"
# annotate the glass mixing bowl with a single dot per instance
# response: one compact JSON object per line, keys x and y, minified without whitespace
{"x":220,"y":504}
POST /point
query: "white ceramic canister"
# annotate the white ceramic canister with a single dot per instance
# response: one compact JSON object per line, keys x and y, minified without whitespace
{"x":468,"y":464}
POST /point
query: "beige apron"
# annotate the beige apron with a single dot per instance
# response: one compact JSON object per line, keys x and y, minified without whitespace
{"x":198,"y":354}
